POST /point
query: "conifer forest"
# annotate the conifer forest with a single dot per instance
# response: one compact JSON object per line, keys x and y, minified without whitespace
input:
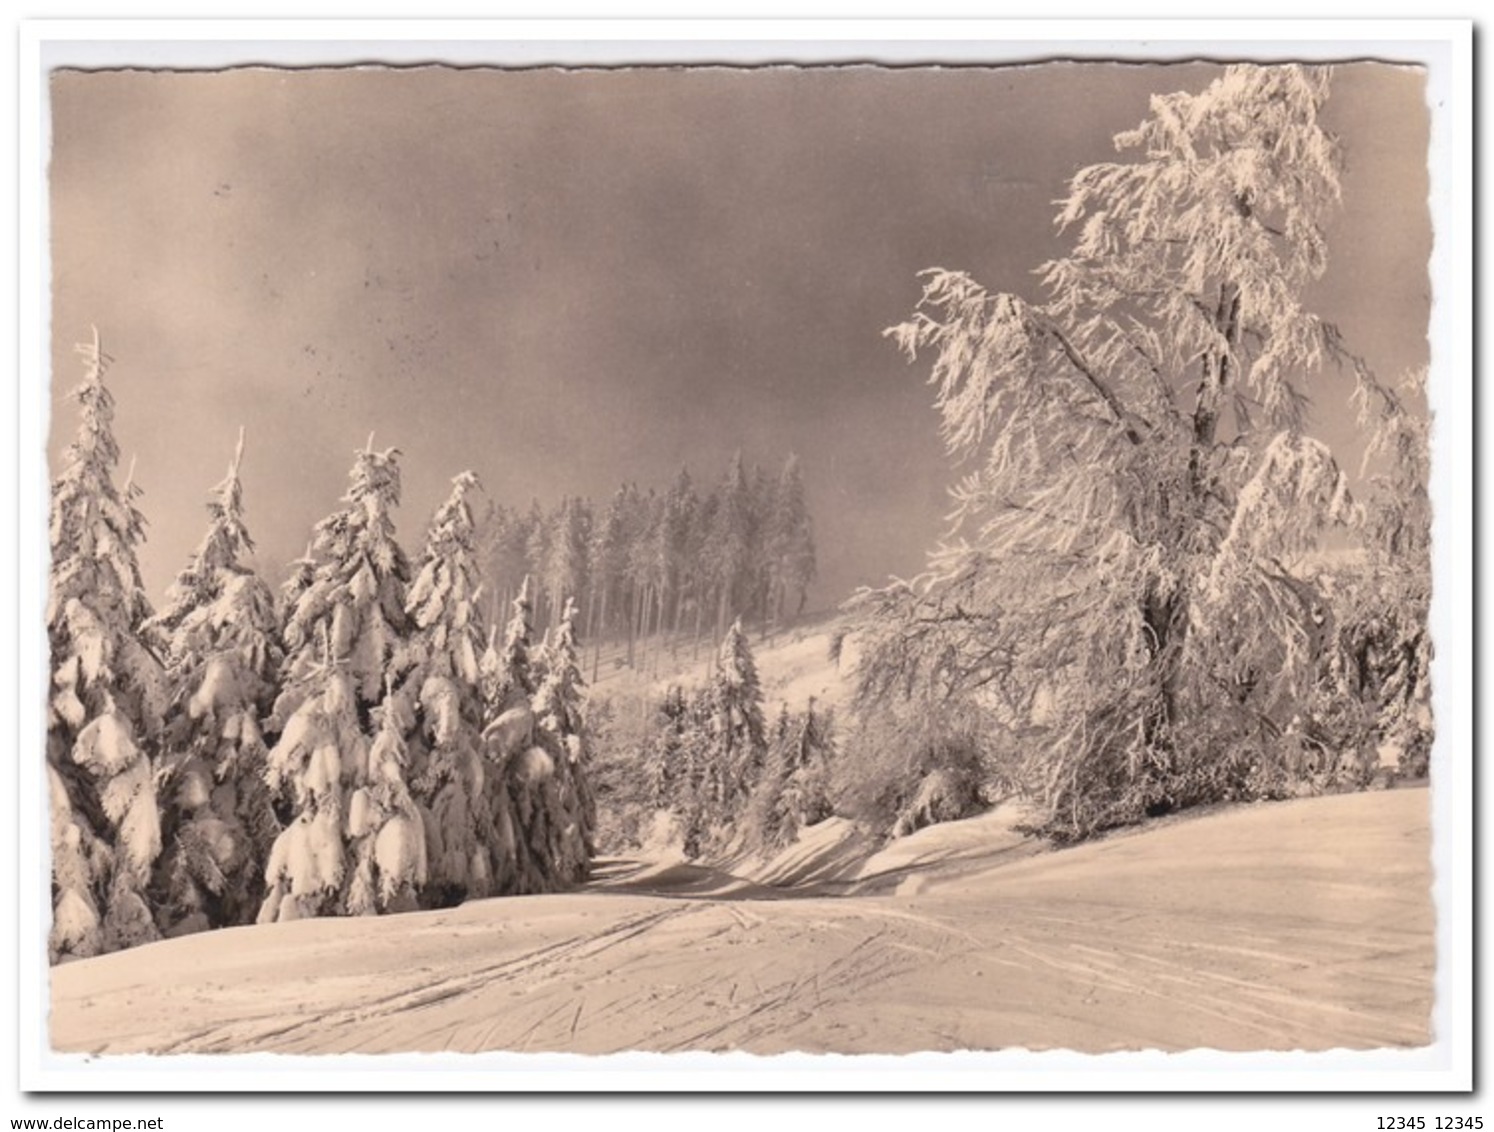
{"x":548,"y":497}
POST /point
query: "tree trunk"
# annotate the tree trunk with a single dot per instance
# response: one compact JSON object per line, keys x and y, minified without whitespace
{"x":699,"y":616}
{"x":642,"y":627}
{"x":679,"y":613}
{"x":1167,"y":628}
{"x":658,"y":630}
{"x":1211,"y":388}
{"x":632,"y":606}
{"x":596,"y":656}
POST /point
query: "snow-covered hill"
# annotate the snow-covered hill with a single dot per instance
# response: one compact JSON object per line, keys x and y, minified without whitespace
{"x":793,"y":664}
{"x":1305,"y":924}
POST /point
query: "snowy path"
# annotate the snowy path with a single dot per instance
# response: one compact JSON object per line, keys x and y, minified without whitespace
{"x":1300,"y":925}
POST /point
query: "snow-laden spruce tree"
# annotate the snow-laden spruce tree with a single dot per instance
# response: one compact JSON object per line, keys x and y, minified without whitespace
{"x":535,"y":742}
{"x":356,"y":845}
{"x":770,"y":822}
{"x":791,"y":555}
{"x":507,"y":684}
{"x":793,"y":791}
{"x":1140,"y":474}
{"x":731,"y":546}
{"x":108,"y":694}
{"x":447,"y":639}
{"x":675,"y":754}
{"x":664,"y":754}
{"x":222,"y":649}
{"x":739,"y":736}
{"x":569,"y":814}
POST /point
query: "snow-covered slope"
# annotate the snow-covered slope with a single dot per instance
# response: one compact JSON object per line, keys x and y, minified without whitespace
{"x":793,"y":665}
{"x":1304,"y":924}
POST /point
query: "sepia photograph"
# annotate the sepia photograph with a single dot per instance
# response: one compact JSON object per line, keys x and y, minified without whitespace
{"x":810,"y":557}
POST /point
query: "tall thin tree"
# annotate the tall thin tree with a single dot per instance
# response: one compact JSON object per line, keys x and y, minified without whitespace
{"x":107,"y":693}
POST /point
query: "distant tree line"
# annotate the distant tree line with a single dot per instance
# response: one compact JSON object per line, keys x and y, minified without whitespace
{"x":686,"y":561}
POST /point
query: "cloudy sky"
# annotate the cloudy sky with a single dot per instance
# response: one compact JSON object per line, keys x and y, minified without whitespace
{"x":564,"y":280}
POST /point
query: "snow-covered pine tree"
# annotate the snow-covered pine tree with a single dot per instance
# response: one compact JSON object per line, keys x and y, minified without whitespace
{"x":570,"y":811}
{"x":297,"y":582}
{"x":507,"y":676}
{"x":664,"y":755}
{"x":504,"y":541}
{"x":740,"y":740}
{"x":793,"y":791}
{"x":223,"y":656}
{"x":507,"y":682}
{"x":645,"y":568}
{"x":538,"y":532}
{"x":790,"y":543}
{"x":446,"y":644}
{"x":496,"y":807}
{"x":677,"y":535}
{"x":1140,"y":465}
{"x":108,"y":693}
{"x":608,"y":557}
{"x":730,"y":543}
{"x":567,"y":564}
{"x":813,"y":754}
{"x":357,"y":843}
{"x":770,"y":823}
{"x":762,"y":501}
{"x":698,"y":754}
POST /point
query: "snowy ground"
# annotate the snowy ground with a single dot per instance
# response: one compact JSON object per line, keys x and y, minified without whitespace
{"x":1304,"y":924}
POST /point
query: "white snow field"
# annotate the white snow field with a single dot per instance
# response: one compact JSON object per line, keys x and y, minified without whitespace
{"x":1305,"y":924}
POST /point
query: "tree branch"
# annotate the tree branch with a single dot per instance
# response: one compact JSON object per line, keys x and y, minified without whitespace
{"x":1104,"y":391}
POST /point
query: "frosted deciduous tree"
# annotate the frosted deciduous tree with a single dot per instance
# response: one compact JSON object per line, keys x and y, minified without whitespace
{"x":107,"y":696}
{"x":223,"y":655}
{"x":356,"y":845}
{"x":1140,"y":474}
{"x":1387,"y":636}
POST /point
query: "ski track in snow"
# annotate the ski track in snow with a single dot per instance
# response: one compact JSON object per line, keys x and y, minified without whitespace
{"x":1299,"y":925}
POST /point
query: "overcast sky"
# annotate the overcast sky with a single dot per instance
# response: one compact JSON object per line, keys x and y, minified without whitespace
{"x":564,"y":280}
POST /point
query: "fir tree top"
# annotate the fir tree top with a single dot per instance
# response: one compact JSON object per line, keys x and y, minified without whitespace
{"x":506,"y":669}
{"x":737,"y":686}
{"x":219,"y":553}
{"x":557,"y":703}
{"x":97,"y":600}
{"x":355,"y":602}
{"x":95,"y":527}
{"x":442,"y":601}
